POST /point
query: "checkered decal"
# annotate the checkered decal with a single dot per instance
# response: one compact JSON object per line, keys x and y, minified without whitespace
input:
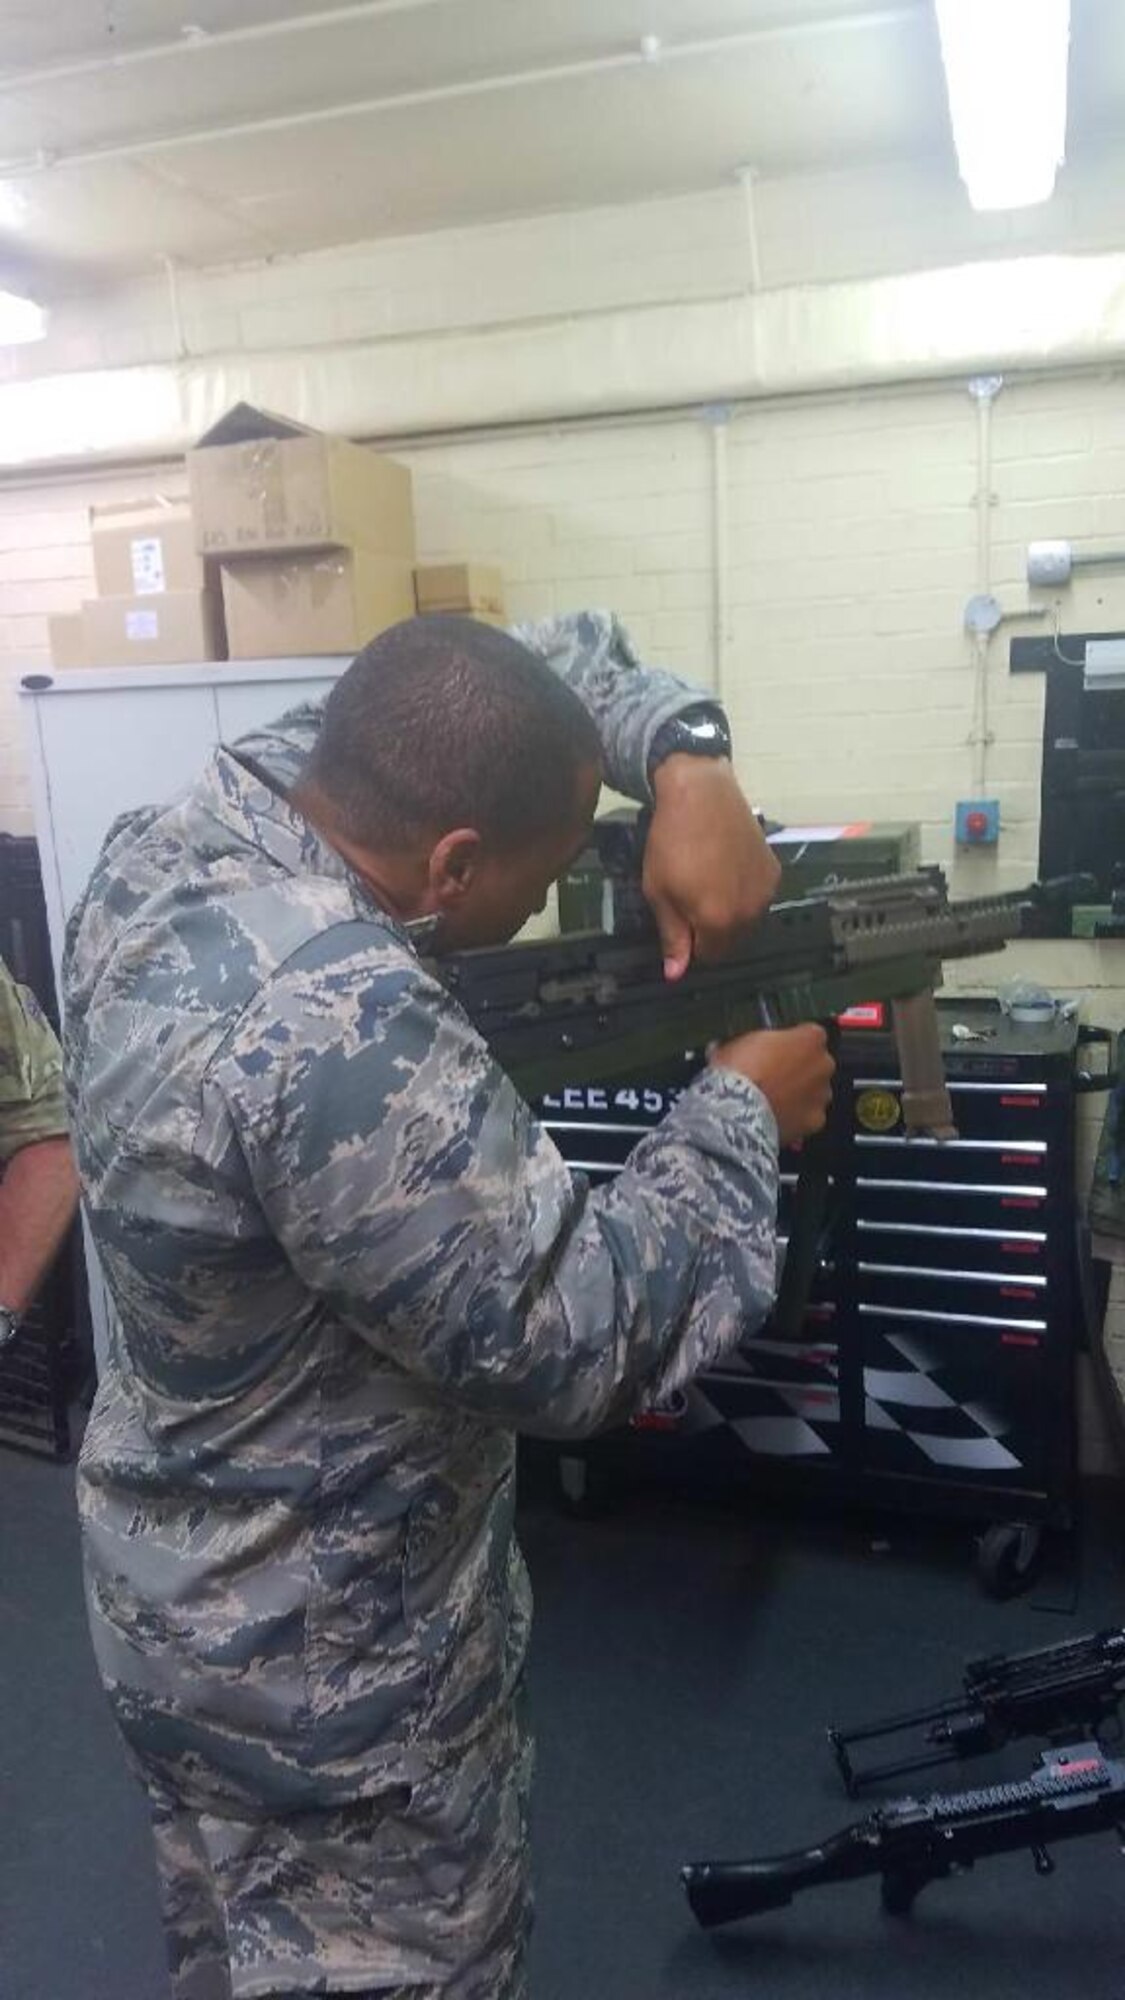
{"x":918,"y":1402}
{"x":778,"y":1399}
{"x":783,"y":1401}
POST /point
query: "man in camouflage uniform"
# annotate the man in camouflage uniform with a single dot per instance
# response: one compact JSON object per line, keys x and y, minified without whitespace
{"x":349,"y":1266}
{"x":39,"y":1189}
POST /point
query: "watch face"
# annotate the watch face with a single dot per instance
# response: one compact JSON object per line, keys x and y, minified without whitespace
{"x":701,"y":734}
{"x":706,"y":738}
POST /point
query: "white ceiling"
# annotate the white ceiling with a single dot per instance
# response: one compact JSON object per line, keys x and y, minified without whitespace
{"x":206,"y":130}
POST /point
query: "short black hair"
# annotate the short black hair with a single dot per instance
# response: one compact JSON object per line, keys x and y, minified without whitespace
{"x":443,"y":722}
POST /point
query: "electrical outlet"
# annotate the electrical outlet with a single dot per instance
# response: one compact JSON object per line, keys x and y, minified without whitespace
{"x":977,"y":822}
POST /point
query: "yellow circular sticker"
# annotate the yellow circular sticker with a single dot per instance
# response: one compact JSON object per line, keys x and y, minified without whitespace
{"x":877,"y":1110}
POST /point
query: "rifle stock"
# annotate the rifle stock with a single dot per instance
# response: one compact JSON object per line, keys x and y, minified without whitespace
{"x":725,"y":1892}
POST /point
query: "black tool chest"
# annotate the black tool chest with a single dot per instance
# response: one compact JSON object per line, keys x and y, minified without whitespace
{"x":936,"y":1367}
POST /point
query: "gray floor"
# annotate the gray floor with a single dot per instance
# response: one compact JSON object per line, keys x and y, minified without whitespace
{"x":685,"y":1662}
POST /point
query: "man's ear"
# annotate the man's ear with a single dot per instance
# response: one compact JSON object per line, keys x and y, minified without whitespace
{"x":454,"y":866}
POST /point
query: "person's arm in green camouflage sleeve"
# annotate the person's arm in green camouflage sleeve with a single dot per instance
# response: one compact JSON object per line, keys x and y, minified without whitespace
{"x":411,"y":1188}
{"x":39,"y":1189}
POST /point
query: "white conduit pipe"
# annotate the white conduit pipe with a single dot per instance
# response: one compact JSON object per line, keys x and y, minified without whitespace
{"x":984,"y":390}
{"x":747,"y":177}
{"x":197,"y":41}
{"x":719,"y":423}
{"x":640,"y":55}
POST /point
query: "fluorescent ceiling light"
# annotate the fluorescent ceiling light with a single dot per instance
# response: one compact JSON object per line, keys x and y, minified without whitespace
{"x":21,"y":320}
{"x":1005,"y":70}
{"x":13,"y":205}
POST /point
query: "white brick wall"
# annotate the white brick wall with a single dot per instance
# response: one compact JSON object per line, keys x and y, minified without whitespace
{"x":685,"y":248}
{"x":866,"y":223}
{"x":852,"y":551}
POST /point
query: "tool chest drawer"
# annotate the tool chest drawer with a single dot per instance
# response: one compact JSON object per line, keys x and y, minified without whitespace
{"x":961,"y":1161}
{"x":989,"y":1109}
{"x":1013,"y":1253}
{"x":951,"y":1290}
{"x":954,"y":1204}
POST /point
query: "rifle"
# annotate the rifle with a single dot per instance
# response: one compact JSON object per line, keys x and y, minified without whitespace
{"x":1070,"y":1689}
{"x":910,"y":1842}
{"x":596,"y":1004}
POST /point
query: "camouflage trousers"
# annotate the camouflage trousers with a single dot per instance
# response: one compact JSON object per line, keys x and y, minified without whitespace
{"x":423,"y":1897}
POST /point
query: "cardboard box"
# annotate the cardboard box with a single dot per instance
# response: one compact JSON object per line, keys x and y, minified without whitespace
{"x":66,"y":639}
{"x":153,"y":631}
{"x":331,"y":601}
{"x":143,"y":548}
{"x":475,"y":589}
{"x":262,"y":485}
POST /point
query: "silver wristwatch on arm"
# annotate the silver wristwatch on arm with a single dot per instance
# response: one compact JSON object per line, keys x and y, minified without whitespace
{"x":9,"y":1325}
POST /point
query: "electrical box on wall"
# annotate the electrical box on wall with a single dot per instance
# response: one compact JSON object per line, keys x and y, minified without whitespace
{"x":978,"y":822}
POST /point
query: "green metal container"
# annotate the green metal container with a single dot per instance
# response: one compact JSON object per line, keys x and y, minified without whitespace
{"x":817,"y":857}
{"x":830,"y":855}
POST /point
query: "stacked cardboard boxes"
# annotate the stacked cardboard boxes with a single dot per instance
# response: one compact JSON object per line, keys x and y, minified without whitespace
{"x":314,"y":536}
{"x":291,"y":542}
{"x":157,"y":601}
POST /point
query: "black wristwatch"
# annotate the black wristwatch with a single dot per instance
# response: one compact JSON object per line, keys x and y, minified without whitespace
{"x":702,"y":731}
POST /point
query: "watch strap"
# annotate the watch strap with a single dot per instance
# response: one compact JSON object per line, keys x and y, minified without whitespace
{"x":699,"y":731}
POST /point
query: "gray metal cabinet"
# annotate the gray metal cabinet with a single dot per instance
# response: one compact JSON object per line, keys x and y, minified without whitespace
{"x":102,"y":741}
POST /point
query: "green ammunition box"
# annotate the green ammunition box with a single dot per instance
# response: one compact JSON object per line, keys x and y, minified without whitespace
{"x":812,"y":857}
{"x":822,"y":857}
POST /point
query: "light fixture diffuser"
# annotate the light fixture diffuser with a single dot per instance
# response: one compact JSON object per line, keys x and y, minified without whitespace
{"x":1005,"y":71}
{"x":21,"y":320}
